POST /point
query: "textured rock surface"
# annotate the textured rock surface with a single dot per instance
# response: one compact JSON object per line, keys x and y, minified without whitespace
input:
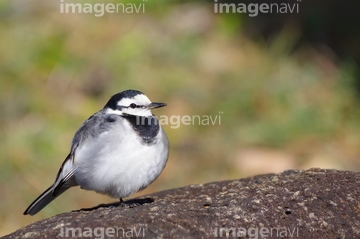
{"x":294,"y":204}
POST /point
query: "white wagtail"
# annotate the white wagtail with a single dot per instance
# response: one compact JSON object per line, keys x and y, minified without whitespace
{"x":118,"y":151}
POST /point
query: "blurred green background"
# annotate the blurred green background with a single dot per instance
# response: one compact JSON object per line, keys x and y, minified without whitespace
{"x":287,"y":86}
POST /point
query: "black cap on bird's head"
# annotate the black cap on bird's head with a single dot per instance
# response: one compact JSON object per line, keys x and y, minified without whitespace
{"x":113,"y":102}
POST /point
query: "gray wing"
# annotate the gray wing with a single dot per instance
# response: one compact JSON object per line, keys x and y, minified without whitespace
{"x":92,"y":127}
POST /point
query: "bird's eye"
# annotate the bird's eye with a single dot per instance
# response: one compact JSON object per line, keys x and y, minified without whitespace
{"x":133,"y":106}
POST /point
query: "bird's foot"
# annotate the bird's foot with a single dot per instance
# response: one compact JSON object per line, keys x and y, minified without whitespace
{"x":128,"y":204}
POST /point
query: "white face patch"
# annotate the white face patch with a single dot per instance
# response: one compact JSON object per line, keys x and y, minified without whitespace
{"x":138,"y":100}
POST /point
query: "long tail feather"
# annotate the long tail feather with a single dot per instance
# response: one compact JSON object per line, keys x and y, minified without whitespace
{"x":44,"y":199}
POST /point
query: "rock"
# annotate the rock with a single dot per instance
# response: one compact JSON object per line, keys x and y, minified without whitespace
{"x":315,"y":203}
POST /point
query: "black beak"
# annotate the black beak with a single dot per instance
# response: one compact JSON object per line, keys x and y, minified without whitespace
{"x":154,"y":105}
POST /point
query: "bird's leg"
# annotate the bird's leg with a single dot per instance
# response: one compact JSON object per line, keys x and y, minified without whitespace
{"x":128,"y":204}
{"x":122,"y":203}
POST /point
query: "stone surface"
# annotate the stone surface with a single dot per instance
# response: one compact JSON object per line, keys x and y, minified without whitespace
{"x":315,"y":203}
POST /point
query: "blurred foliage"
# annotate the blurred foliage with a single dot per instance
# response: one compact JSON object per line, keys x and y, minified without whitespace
{"x":58,"y":69}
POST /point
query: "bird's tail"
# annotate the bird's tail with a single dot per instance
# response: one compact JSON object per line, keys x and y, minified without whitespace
{"x":44,"y":199}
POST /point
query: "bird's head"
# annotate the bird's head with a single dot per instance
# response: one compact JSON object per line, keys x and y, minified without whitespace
{"x":131,"y":102}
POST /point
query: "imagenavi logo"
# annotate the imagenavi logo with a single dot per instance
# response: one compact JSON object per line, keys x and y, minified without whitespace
{"x":254,"y":9}
{"x":98,"y":9}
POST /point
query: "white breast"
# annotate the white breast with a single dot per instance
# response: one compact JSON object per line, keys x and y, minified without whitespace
{"x":118,"y":164}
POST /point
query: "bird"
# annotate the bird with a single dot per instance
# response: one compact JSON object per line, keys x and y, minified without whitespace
{"x":118,"y":151}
